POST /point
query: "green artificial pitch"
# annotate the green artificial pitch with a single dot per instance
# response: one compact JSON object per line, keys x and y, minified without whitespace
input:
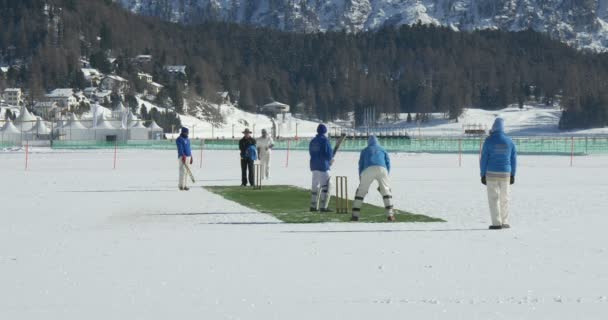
{"x":291,"y":205}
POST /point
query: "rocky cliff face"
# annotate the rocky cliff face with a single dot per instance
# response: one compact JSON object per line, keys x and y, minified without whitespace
{"x":581,"y":23}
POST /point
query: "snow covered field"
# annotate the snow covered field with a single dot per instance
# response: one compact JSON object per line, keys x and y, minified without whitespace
{"x":79,"y":240}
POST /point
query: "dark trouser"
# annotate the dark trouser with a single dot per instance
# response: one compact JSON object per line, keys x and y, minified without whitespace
{"x":247,"y":164}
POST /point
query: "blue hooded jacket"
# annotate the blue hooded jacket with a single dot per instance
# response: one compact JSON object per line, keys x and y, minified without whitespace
{"x":183,"y":146}
{"x":374,"y":155}
{"x":320,"y":151}
{"x":499,"y":153}
{"x":251,"y":152}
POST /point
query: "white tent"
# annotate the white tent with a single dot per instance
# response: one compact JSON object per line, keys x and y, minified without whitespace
{"x":104,"y":131}
{"x":131,"y":119}
{"x":102,"y":123}
{"x":9,"y":133}
{"x":74,"y":130}
{"x":73,"y":123}
{"x":25,"y":121}
{"x":156,"y":132}
{"x":40,"y":128}
{"x":138,"y":131}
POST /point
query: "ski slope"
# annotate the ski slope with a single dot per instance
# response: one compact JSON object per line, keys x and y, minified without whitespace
{"x":79,"y":240}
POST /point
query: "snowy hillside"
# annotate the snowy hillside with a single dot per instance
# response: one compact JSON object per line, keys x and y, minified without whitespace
{"x":579,"y":23}
{"x":235,"y":120}
{"x":529,"y":121}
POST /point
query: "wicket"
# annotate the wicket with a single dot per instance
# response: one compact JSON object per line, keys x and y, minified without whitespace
{"x":257,"y":170}
{"x":342,"y":205}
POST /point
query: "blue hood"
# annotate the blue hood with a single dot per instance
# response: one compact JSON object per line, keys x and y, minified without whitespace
{"x":499,"y":125}
{"x":373,"y":155}
{"x":321,"y":129}
{"x":372,"y":141}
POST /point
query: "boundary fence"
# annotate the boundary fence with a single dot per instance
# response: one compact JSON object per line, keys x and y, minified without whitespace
{"x":525,"y":145}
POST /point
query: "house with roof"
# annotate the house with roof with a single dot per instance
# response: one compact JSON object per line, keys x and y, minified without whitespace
{"x":47,"y":109}
{"x":13,"y":96}
{"x":176,"y":72}
{"x":93,"y":76}
{"x":64,"y":97}
{"x":116,"y":84}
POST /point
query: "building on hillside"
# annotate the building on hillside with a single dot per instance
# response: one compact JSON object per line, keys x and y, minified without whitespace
{"x":143,"y":58}
{"x":3,"y":72}
{"x":154,"y":88}
{"x":116,"y":84}
{"x":47,"y":109}
{"x":64,"y":97}
{"x":275,"y":107}
{"x":176,"y":73}
{"x":224,"y":97}
{"x":146,"y":77}
{"x":13,"y":96}
{"x":92,"y":76}
{"x":98,"y":95}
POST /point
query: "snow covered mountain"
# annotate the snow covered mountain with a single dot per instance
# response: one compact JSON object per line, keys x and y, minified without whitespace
{"x":581,"y":23}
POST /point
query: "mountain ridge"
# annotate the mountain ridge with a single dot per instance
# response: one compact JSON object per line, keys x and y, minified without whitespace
{"x":580,"y":23}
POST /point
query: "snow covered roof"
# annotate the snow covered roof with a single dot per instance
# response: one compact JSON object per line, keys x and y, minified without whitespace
{"x":90,"y":72}
{"x":117,"y":78}
{"x":176,"y":69}
{"x":154,"y":127}
{"x":61,"y":93}
{"x":276,"y":104}
{"x":40,"y":128}
{"x":4,"y":69}
{"x":12,"y":90}
{"x":9,"y":128}
{"x":45,"y":104}
{"x":158,"y":85}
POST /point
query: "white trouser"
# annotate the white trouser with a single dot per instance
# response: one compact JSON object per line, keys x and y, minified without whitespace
{"x":499,"y":192}
{"x":265,"y":162}
{"x":183,"y":177}
{"x":319,"y":194}
{"x":368,"y":176}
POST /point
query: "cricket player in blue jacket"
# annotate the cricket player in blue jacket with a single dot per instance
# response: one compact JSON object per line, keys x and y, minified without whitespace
{"x":321,"y":159}
{"x":374,"y":165}
{"x":184,"y":155}
{"x":498,"y":165}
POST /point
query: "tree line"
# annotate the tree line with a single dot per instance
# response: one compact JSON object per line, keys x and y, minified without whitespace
{"x":416,"y":69}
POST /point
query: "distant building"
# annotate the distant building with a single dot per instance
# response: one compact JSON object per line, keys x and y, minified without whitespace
{"x":177,"y":69}
{"x":116,"y":84}
{"x":47,"y":109}
{"x":98,"y":95}
{"x":93,"y":76}
{"x":144,"y":77}
{"x":154,"y":88}
{"x":275,"y":107}
{"x":64,"y":97}
{"x":143,"y":58}
{"x":175,"y":73}
{"x":13,"y":96}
